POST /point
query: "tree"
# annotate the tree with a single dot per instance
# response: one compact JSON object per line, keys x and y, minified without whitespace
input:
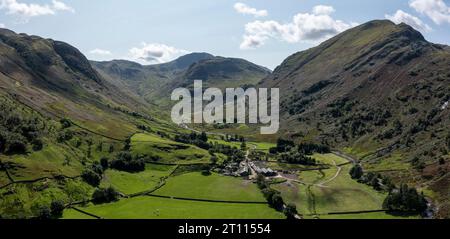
{"x":206,"y":170}
{"x":44,"y":213}
{"x":57,"y":208}
{"x":104,"y":162}
{"x":274,"y":198}
{"x":356,"y":172}
{"x":65,"y":123}
{"x":204,"y":137}
{"x":290,"y":211}
{"x":405,"y":200}
{"x":127,"y":145}
{"x":64,"y":136}
{"x":243,"y":145}
{"x":277,"y":201}
{"x":16,"y":146}
{"x":91,"y":177}
{"x":124,"y":161}
{"x":37,"y":144}
{"x":261,"y":181}
{"x":105,"y":195}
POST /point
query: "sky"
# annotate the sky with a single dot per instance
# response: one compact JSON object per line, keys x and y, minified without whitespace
{"x":262,"y":31}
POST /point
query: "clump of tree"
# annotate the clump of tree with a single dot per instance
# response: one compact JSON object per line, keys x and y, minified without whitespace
{"x":375,"y":180}
{"x":124,"y":161}
{"x":64,"y":136}
{"x":91,"y":177}
{"x":273,"y":198}
{"x":105,"y":195}
{"x":93,"y":174}
{"x":296,"y":157}
{"x":284,"y":145}
{"x":54,"y":211}
{"x":405,"y":200}
{"x":233,"y":154}
{"x":199,"y":140}
{"x":65,"y":123}
{"x":19,"y":130}
{"x":234,"y":138}
{"x":261,"y":182}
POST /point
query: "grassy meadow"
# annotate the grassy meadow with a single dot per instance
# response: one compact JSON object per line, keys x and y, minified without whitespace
{"x":161,"y":208}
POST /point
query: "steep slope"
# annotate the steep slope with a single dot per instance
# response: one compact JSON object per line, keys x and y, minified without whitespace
{"x":54,"y":78}
{"x":378,"y":91}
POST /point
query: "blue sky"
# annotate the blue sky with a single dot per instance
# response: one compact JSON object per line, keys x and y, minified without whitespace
{"x":264,"y":32}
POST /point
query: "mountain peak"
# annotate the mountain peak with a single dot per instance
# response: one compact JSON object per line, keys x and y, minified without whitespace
{"x":187,"y":60}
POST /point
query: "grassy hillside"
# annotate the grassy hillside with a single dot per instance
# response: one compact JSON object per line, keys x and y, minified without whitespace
{"x":377,"y":91}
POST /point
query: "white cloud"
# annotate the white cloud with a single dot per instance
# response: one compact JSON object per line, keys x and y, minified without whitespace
{"x":101,"y":52}
{"x":401,"y":16}
{"x":60,"y":6}
{"x":323,"y":10}
{"x":246,"y":10}
{"x":436,"y":10}
{"x":155,"y":53}
{"x":2,"y":25}
{"x":315,"y":26}
{"x":27,"y":10}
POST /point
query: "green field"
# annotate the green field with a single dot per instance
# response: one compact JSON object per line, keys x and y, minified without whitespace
{"x":160,"y":208}
{"x":330,"y":159}
{"x":345,"y":194}
{"x":213,"y":187}
{"x":51,"y":160}
{"x":169,"y":151}
{"x":326,"y":193}
{"x":130,"y":183}
{"x":317,"y":176}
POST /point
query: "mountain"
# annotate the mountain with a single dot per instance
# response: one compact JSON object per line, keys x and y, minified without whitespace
{"x":378,"y":91}
{"x":226,"y":72}
{"x":155,"y":82}
{"x":57,"y":80}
